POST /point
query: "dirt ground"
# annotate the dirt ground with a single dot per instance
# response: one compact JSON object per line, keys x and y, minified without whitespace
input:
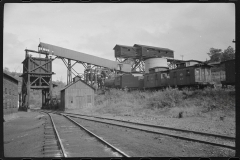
{"x":142,"y":144}
{"x":23,"y":134}
{"x":208,"y":123}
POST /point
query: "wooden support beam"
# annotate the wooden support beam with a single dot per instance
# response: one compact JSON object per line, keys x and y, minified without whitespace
{"x":34,"y":81}
{"x":41,"y":64}
{"x":37,"y":67}
{"x":39,"y":87}
{"x":45,"y":81}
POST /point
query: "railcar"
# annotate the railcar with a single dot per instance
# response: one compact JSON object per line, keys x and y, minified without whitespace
{"x":157,"y":79}
{"x":109,"y":83}
{"x":229,"y":66}
{"x":198,"y":75}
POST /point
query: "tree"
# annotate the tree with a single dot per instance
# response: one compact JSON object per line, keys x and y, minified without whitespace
{"x":5,"y":69}
{"x":215,"y":55}
{"x":228,"y":54}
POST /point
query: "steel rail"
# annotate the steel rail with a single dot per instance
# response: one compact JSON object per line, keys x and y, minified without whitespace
{"x":161,"y":127}
{"x":58,"y":137}
{"x":99,"y":138}
{"x":169,"y":135}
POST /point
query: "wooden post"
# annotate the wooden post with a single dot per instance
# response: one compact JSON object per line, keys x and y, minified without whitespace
{"x":28,"y":85}
{"x":69,"y":72}
{"x":50,"y":91}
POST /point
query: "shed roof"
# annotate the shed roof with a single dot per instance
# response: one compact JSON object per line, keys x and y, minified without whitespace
{"x":76,"y":82}
{"x":10,"y":76}
{"x":196,"y":65}
{"x":214,"y":63}
{"x":184,"y":61}
{"x":193,"y":61}
{"x":117,"y":45}
{"x":158,"y":48}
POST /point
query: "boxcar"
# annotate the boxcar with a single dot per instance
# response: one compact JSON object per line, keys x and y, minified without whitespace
{"x":229,"y":72}
{"x":156,"y":79}
{"x":197,"y":75}
{"x":127,"y":81}
{"x":109,"y":83}
{"x":150,"y":80}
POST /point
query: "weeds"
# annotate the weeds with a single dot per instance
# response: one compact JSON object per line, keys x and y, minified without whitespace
{"x":178,"y":103}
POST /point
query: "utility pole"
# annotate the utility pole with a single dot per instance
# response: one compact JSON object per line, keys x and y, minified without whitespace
{"x":182,"y":56}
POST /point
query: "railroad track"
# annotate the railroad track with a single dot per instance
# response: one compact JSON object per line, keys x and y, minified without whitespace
{"x":52,"y":146}
{"x":69,"y":137}
{"x":200,"y":137}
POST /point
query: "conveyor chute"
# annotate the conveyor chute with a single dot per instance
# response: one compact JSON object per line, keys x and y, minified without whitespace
{"x":82,"y":57}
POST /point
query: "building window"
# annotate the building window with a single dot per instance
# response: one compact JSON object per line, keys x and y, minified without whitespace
{"x":5,"y":90}
{"x":128,"y":49}
{"x":9,"y":91}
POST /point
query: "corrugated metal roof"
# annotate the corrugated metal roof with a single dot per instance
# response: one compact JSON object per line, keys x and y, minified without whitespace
{"x":79,"y":56}
{"x":158,"y":48}
{"x":76,"y":82}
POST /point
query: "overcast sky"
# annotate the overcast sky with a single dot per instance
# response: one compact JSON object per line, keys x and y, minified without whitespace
{"x":190,"y":29}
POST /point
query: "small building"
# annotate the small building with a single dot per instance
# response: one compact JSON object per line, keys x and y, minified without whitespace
{"x":123,"y":51}
{"x":76,"y":95}
{"x":188,"y":63}
{"x":151,"y":52}
{"x":10,"y":94}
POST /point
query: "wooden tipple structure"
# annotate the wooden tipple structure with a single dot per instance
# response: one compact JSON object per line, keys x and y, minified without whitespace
{"x":37,"y":74}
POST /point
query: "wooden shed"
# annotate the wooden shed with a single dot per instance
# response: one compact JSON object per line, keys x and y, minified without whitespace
{"x":123,"y":51}
{"x":150,"y":51}
{"x":77,"y":95}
